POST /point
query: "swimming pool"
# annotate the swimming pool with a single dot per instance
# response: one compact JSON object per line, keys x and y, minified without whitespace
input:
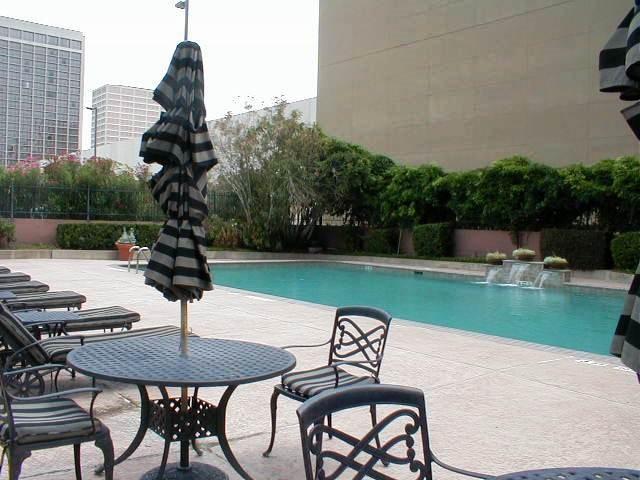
{"x":557,"y":317}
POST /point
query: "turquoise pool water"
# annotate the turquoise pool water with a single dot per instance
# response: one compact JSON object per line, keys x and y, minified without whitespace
{"x":563,"y":318}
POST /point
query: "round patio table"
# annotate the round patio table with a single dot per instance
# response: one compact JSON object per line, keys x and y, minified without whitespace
{"x":157,"y":362}
{"x":571,"y":473}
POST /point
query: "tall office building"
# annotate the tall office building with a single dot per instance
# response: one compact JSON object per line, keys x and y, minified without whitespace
{"x":123,"y":113}
{"x":41,"y":82}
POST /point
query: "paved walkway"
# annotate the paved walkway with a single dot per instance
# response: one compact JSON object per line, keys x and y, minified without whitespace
{"x":493,"y":406}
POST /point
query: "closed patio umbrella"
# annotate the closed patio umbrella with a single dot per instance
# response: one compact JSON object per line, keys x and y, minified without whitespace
{"x":619,"y":65}
{"x":180,"y":142}
{"x":626,"y":340}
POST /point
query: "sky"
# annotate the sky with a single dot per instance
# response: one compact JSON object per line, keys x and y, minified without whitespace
{"x":252,"y":48}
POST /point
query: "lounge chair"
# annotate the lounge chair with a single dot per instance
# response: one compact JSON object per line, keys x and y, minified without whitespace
{"x":25,"y":349}
{"x":24,"y":287}
{"x":14,"y":277}
{"x":44,"y":300}
{"x":4,"y":270}
{"x":358,"y":344}
{"x":405,"y":443}
{"x":59,"y":323}
{"x":48,"y":421}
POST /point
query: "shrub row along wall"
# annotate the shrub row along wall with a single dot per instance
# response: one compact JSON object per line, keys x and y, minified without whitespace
{"x":102,"y":236}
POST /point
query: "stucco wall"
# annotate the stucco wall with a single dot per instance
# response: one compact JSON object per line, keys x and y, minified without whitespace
{"x":464,"y":82}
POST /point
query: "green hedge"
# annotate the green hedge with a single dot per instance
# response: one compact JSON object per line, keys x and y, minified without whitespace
{"x":625,"y":250}
{"x":584,"y":249}
{"x":380,"y":240}
{"x":102,"y":236}
{"x":433,"y":240}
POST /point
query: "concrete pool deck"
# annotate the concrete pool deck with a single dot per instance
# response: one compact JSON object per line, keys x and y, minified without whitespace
{"x":494,"y":406}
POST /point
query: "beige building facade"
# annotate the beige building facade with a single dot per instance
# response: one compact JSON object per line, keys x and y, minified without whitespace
{"x":461,"y":83}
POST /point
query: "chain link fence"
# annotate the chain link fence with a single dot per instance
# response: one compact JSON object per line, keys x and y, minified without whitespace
{"x":44,"y":201}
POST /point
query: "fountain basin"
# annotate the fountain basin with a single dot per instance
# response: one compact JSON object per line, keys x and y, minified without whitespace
{"x":526,"y":274}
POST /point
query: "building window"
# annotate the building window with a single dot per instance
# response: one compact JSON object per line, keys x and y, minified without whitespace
{"x":65,"y":42}
{"x":76,"y":45}
{"x":4,"y":32}
{"x":40,"y":38}
{"x":28,"y":36}
{"x":14,"y":33}
{"x":51,"y":40}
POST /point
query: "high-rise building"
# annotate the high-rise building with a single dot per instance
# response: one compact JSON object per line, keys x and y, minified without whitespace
{"x":41,"y":83}
{"x":123,"y":113}
{"x":462,"y":83}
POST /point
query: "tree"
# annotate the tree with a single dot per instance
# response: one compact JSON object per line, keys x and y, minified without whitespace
{"x":270,"y":164}
{"x":352,"y":182}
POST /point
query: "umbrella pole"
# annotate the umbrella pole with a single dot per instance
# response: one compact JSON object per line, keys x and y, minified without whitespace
{"x":184,"y":397}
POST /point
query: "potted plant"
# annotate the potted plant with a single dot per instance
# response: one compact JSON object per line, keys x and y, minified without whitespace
{"x":495,"y":258}
{"x":124,"y":244}
{"x":524,"y":254}
{"x":556,"y":263}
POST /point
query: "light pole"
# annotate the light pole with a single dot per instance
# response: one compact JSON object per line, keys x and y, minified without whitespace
{"x":184,"y":5}
{"x":94,"y":112}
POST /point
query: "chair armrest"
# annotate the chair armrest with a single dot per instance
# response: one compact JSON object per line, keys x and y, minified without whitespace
{"x":49,"y":396}
{"x":46,"y":366}
{"x":461,"y":471}
{"x":287,"y":347}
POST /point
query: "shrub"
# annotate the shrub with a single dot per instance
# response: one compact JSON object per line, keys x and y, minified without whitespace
{"x":584,"y":249}
{"x":223,"y":233}
{"x":523,"y":254}
{"x":380,"y":240}
{"x":433,"y":239}
{"x":554,"y":262}
{"x":102,"y":236}
{"x":625,"y":249}
{"x":7,"y":230}
{"x":495,"y":258}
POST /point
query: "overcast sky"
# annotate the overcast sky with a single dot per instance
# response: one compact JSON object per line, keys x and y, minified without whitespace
{"x":252,"y":48}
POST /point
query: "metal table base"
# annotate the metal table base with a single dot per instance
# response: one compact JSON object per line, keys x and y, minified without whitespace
{"x":196,"y":471}
{"x":205,"y":420}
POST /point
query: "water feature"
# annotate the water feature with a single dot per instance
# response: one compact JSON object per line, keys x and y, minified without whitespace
{"x":525,"y":274}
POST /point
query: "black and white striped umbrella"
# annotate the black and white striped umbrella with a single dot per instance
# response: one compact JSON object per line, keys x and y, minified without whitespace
{"x":180,"y":142}
{"x":620,"y":65}
{"x":626,"y":341}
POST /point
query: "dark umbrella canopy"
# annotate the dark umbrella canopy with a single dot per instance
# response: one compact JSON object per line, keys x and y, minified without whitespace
{"x":180,"y":142}
{"x":626,"y":341}
{"x":620,"y":65}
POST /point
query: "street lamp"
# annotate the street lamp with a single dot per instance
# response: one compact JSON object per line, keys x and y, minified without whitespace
{"x":184,"y":5}
{"x":94,"y":112}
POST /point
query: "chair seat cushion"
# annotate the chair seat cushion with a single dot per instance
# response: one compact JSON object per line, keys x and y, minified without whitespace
{"x":49,"y":420}
{"x":58,"y":347}
{"x":308,"y":383}
{"x":103,"y":319}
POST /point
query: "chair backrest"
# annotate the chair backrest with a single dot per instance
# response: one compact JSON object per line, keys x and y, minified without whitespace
{"x":399,"y":433}
{"x":16,"y":336}
{"x":360,"y":333}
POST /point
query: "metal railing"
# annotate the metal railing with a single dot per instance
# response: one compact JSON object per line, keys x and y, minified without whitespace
{"x":45,"y":201}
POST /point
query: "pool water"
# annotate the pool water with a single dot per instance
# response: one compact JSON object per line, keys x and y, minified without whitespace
{"x":557,"y":317}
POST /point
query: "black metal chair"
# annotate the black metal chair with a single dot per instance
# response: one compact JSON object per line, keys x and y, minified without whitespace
{"x":48,"y":421}
{"x":406,"y":427}
{"x":356,"y":343}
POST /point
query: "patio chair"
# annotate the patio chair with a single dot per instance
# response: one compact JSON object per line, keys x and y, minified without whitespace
{"x":402,"y":431}
{"x":14,"y":277}
{"x":45,"y":300}
{"x":356,"y":344}
{"x":4,"y":270}
{"x":24,"y":287}
{"x":48,"y":421}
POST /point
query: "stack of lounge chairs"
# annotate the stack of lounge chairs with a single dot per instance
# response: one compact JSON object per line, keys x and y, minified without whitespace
{"x":28,"y":310}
